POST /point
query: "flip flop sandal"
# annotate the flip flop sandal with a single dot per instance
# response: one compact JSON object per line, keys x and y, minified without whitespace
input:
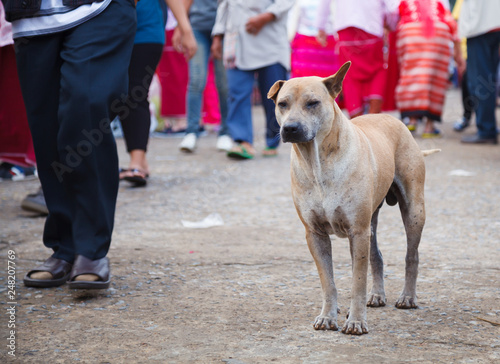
{"x":60,"y":270}
{"x":239,"y":152}
{"x":436,"y":133}
{"x":139,"y":179}
{"x":83,"y":266}
{"x":270,"y":152}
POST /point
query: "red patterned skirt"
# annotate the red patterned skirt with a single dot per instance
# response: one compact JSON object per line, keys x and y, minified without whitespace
{"x":424,"y":74}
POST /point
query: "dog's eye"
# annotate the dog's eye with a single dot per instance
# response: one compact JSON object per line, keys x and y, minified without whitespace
{"x":311,"y":104}
{"x":282,"y":104}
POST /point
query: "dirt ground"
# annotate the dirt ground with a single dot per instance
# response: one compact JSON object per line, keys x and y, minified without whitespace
{"x":248,"y":291}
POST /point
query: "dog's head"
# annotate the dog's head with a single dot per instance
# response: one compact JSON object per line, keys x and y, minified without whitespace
{"x":305,"y":104}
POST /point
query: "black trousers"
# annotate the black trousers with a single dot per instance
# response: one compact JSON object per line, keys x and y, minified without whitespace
{"x":467,"y":99}
{"x":69,"y":80}
{"x":135,"y":116}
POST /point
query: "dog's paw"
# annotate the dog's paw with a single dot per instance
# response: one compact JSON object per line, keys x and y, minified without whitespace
{"x":406,"y":302}
{"x":376,"y":300}
{"x":352,"y":327}
{"x":325,"y":323}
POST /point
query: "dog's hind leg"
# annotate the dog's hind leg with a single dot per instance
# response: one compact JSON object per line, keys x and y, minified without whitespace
{"x":320,"y":247}
{"x":376,"y":298}
{"x":413,"y":214}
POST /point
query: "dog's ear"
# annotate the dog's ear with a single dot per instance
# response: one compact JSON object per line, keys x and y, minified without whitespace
{"x":273,"y":91}
{"x":334,"y":82}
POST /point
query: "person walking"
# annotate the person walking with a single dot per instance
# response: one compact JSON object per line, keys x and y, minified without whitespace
{"x":202,"y":15}
{"x":255,"y":44}
{"x":136,"y":120}
{"x":73,"y":60}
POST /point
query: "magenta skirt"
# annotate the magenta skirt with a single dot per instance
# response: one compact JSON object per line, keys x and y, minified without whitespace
{"x":310,"y":58}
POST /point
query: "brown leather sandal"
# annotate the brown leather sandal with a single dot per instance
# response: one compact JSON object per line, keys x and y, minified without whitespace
{"x":98,"y":269}
{"x":58,"y":268}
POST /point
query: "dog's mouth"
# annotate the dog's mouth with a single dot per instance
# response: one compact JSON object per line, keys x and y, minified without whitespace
{"x":295,"y":133}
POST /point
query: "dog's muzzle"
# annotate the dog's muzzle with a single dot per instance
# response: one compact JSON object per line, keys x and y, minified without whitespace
{"x":295,"y":133}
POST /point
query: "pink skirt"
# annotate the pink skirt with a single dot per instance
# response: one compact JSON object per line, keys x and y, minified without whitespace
{"x":310,"y":58}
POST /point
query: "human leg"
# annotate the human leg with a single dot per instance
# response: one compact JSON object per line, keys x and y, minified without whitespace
{"x":69,"y":87}
{"x":198,"y":66}
{"x":378,"y":77}
{"x":375,"y":105}
{"x":367,"y":74}
{"x":430,"y":130}
{"x":222,"y":91}
{"x":93,"y":76}
{"x":467,"y":103}
{"x":239,"y":116}
{"x":40,"y":80}
{"x":467,"y":99}
{"x":267,"y":76}
{"x":351,"y":87}
{"x":482,"y":63}
{"x":224,"y":141}
{"x":136,"y":121}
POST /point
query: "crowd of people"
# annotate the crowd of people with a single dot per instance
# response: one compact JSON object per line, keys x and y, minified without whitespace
{"x":68,"y":68}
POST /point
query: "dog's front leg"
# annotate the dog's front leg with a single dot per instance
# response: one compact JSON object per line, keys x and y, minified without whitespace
{"x":360,"y":250}
{"x":320,"y":247}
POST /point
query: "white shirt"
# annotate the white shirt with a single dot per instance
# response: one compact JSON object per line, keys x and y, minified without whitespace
{"x":303,"y":18}
{"x":54,"y":17}
{"x":367,"y":15}
{"x":478,"y":17}
{"x":269,"y":46}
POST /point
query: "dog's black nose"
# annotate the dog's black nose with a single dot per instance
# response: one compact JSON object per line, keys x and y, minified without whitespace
{"x":294,"y":133}
{"x":292,"y":128}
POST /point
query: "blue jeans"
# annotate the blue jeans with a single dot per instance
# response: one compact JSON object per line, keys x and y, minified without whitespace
{"x":482,"y":63}
{"x":239,"y":117}
{"x":198,"y":67}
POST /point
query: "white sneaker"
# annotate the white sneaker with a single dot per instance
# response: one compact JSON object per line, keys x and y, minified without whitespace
{"x":188,"y":144}
{"x":224,"y":143}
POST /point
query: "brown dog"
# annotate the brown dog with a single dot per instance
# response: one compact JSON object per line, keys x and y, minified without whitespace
{"x":342,"y":171}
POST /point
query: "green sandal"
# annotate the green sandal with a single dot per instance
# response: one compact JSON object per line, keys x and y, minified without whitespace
{"x":270,"y":152}
{"x":238,"y":151}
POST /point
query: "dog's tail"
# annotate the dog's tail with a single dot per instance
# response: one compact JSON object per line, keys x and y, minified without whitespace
{"x":427,"y":152}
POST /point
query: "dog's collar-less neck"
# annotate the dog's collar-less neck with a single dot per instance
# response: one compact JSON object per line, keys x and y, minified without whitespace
{"x":309,"y":156}
{"x":312,"y":157}
{"x":310,"y":165}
